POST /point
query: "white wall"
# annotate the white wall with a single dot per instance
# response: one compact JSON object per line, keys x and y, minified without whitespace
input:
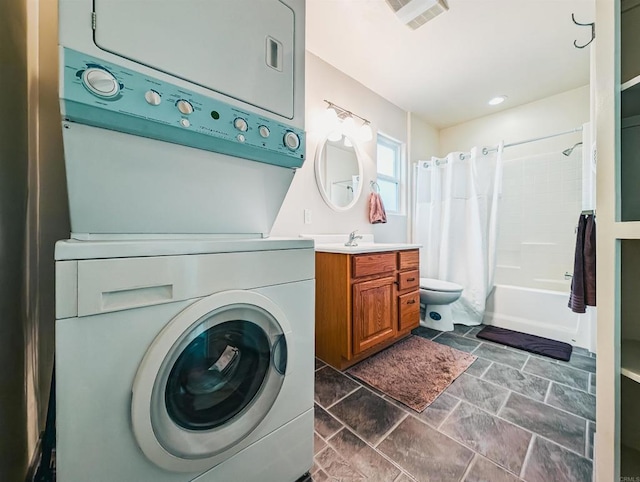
{"x":325,"y":82}
{"x":424,"y":142}
{"x":541,"y":198}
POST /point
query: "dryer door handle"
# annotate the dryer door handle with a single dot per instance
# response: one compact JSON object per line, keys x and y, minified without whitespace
{"x":279,"y":355}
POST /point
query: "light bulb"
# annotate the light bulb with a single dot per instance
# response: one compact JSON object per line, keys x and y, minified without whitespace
{"x":365,"y":133}
{"x":349,"y":126}
{"x":330,"y":119}
{"x":347,"y":142}
{"x":335,"y":135}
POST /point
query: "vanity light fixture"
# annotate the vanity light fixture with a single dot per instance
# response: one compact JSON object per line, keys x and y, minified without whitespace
{"x":498,"y":100}
{"x":346,"y":123}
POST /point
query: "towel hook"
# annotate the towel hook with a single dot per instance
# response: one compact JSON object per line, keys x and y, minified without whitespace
{"x":593,"y":31}
{"x":375,"y":187}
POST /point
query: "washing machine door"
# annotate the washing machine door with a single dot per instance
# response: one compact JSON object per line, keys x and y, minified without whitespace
{"x":209,"y":379}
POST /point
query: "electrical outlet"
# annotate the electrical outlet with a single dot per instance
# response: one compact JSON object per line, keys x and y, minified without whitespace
{"x":307,"y":216}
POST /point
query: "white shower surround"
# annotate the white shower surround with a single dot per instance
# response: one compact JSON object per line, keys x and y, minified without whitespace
{"x":540,"y":312}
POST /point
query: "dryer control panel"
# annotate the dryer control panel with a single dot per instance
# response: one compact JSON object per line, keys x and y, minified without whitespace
{"x":106,"y":95}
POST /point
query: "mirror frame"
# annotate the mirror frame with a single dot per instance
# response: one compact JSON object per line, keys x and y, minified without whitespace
{"x":318,"y":157}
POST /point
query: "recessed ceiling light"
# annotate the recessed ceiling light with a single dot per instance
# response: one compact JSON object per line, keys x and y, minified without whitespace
{"x":498,"y":100}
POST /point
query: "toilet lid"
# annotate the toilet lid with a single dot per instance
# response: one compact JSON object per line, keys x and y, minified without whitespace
{"x":439,"y":285}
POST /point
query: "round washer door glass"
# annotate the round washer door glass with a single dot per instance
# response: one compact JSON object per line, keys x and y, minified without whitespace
{"x":209,"y":378}
{"x":217,"y":375}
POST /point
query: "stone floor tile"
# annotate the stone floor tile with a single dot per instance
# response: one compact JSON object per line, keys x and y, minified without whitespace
{"x":581,"y":362}
{"x":461,"y":330}
{"x":540,"y":418}
{"x":425,"y":332}
{"x":572,"y":400}
{"x":319,"y":363}
{"x":550,"y":462}
{"x":363,"y":458}
{"x":458,"y":342}
{"x":515,"y":359}
{"x":478,"y":392}
{"x":435,"y":413}
{"x":331,"y":385}
{"x":369,"y":415}
{"x":558,"y":373}
{"x":337,"y":467}
{"x":500,"y":441}
{"x":425,"y":453}
{"x":529,"y":385}
{"x":478,"y":367}
{"x":482,"y":470}
{"x":324,"y":423}
{"x":318,"y":443}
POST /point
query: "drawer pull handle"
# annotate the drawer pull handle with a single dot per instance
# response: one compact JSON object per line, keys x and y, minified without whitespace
{"x":410,"y":302}
{"x":411,"y":279}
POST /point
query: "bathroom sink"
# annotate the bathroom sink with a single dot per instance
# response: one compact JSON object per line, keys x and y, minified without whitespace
{"x":366,"y":247}
{"x":334,"y":243}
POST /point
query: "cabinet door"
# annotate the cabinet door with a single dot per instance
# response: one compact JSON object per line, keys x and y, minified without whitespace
{"x":374,"y":313}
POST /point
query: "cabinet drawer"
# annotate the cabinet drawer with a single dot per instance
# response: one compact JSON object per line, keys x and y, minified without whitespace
{"x":409,"y":279}
{"x":370,"y":264}
{"x":408,"y":311}
{"x":408,"y":259}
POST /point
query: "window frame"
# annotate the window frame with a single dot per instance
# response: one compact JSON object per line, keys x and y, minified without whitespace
{"x":398,"y":147}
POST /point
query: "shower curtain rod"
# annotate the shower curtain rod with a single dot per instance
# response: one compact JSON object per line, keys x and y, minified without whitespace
{"x":485,"y":150}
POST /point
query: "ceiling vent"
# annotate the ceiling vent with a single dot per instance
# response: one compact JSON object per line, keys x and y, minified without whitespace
{"x":415,"y":13}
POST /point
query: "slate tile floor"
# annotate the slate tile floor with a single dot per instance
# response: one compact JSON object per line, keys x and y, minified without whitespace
{"x":512,"y":416}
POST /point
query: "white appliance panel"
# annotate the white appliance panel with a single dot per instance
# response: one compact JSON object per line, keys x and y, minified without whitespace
{"x":250,"y":58}
{"x":119,"y":183}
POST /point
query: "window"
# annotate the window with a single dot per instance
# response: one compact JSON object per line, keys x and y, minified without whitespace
{"x":389,"y":158}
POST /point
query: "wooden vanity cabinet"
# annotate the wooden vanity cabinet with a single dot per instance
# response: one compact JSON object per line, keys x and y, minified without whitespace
{"x":364,"y":303}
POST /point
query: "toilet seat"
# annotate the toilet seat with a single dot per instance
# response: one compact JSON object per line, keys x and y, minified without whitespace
{"x":439,"y":285}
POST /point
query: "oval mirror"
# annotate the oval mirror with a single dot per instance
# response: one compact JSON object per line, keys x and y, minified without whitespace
{"x":339,"y":172}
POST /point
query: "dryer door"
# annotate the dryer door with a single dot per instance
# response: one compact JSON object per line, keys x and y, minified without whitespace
{"x":208,"y":379}
{"x":240,"y":48}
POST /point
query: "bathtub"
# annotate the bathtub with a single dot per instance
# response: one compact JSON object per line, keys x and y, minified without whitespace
{"x":540,"y":312}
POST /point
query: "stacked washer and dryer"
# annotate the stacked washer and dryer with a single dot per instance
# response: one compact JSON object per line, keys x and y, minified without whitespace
{"x":184,"y":337}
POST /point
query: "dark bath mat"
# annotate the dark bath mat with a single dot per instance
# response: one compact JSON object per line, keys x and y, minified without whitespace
{"x":531,"y":343}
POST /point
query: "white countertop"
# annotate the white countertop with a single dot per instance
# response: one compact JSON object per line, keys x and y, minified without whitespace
{"x":364,"y":247}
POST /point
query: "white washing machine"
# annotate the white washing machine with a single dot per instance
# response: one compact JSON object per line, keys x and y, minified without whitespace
{"x":184,"y":360}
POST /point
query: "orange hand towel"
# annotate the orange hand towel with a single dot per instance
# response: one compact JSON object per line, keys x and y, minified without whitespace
{"x":376,"y":209}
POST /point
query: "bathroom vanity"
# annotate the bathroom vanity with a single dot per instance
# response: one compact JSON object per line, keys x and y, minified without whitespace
{"x":367,"y":298}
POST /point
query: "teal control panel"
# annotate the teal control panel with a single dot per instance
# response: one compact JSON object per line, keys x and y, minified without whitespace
{"x":103,"y":94}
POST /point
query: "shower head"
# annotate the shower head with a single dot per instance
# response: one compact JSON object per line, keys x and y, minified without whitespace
{"x":567,"y":152}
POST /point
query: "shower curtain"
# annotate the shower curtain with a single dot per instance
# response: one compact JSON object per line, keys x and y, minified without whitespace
{"x":457,"y":222}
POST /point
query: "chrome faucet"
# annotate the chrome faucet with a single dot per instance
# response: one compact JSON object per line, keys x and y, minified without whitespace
{"x":352,"y":238}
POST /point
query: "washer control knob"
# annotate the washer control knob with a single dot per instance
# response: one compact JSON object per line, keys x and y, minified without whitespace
{"x":291,"y":140}
{"x":264,"y":131}
{"x":240,"y":124}
{"x":240,"y":137}
{"x":185,"y":122}
{"x":152,"y":97}
{"x":100,"y":82}
{"x":184,"y":106}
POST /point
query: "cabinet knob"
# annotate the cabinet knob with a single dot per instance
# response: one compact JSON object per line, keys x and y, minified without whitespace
{"x":410,"y":302}
{"x":411,"y":279}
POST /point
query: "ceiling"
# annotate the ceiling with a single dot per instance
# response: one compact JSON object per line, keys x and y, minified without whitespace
{"x":448,"y":69}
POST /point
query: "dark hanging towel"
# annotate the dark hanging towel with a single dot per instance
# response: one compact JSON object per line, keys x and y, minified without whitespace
{"x":583,"y":283}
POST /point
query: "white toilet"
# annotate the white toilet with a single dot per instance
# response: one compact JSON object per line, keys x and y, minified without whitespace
{"x":437,"y":297}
